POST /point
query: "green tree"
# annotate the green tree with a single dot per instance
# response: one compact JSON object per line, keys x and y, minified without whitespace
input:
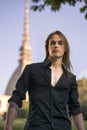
{"x":82,"y":87}
{"x":55,"y":5}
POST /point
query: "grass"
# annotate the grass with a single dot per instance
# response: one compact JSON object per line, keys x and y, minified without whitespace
{"x":19,"y":125}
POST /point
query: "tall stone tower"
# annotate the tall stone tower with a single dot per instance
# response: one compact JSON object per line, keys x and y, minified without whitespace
{"x":25,"y":54}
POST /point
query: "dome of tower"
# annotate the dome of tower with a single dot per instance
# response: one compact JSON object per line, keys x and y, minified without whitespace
{"x":13,"y":80}
{"x":25,"y":55}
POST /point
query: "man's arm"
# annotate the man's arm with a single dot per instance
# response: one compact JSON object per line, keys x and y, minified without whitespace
{"x":11,"y":114}
{"x":79,"y":122}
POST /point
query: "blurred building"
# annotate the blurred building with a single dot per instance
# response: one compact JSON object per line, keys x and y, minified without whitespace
{"x":3,"y":103}
{"x":25,"y":58}
{"x":25,"y":54}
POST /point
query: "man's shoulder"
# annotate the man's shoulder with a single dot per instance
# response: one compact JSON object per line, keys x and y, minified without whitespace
{"x":70,"y":74}
{"x":35,"y":64}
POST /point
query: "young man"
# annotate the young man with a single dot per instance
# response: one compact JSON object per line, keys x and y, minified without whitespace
{"x":52,"y":89}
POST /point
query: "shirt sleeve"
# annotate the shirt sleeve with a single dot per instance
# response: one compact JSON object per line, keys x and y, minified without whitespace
{"x":73,"y":104}
{"x":22,"y":85}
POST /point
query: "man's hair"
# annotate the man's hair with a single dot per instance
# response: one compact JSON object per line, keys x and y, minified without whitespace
{"x":66,"y":58}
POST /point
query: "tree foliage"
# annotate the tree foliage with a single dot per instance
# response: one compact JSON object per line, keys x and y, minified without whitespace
{"x":82,"y":87}
{"x":55,"y":5}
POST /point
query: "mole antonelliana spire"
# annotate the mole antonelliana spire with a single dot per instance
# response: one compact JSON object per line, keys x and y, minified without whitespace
{"x":25,"y":48}
{"x":25,"y":54}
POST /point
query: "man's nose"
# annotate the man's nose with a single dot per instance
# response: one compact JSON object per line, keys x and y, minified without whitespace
{"x":56,"y":44}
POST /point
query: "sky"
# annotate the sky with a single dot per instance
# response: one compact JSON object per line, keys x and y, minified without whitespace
{"x":68,"y":20}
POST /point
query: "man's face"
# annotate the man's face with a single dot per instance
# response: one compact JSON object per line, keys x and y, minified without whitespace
{"x":56,"y":47}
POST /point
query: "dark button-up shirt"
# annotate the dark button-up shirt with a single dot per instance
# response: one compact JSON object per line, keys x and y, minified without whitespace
{"x":50,"y":106}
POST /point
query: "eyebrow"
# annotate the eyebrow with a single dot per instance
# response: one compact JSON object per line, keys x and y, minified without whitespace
{"x":60,"y":41}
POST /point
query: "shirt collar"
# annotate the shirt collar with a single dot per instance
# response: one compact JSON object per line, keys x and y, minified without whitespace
{"x":47,"y":62}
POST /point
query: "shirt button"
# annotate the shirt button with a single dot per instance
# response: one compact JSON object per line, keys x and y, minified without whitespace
{"x":52,"y":124}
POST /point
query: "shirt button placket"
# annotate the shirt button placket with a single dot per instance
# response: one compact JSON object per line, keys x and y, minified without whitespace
{"x":52,"y":121}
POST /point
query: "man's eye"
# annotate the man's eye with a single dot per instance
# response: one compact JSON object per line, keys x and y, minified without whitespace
{"x":60,"y":42}
{"x":53,"y":42}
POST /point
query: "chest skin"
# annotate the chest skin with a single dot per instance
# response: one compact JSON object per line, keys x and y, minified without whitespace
{"x":55,"y":76}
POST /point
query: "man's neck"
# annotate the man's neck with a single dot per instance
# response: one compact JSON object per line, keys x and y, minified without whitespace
{"x":56,"y":63}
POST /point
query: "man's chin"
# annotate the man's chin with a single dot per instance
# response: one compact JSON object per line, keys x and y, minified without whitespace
{"x":55,"y":57}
